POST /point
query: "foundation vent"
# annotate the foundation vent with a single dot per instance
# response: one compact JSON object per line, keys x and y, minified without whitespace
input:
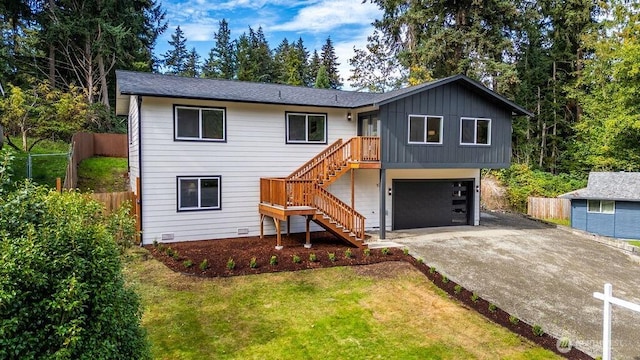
{"x":167,"y":237}
{"x":243,"y":231}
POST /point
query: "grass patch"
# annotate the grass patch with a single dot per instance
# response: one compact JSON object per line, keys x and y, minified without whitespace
{"x":564,"y":222}
{"x":634,"y":243}
{"x":317,"y":314}
{"x":102,"y":174}
{"x":45,"y":169}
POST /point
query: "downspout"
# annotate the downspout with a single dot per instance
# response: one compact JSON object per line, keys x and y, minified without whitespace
{"x":139,"y":100}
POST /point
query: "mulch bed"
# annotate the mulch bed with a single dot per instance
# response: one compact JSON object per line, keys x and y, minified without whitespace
{"x":187,"y":258}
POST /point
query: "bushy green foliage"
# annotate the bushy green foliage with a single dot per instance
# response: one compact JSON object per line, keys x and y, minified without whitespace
{"x":122,"y":226}
{"x":523,"y":182}
{"x":62,"y":292}
{"x":6,"y":170}
{"x":204,"y":265}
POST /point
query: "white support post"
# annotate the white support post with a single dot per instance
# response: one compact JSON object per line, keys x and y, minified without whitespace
{"x":608,"y":299}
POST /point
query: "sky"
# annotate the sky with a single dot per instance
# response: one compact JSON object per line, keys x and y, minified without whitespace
{"x":347,"y":22}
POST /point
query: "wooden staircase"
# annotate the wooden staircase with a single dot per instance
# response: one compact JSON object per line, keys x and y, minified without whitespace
{"x":304,"y":192}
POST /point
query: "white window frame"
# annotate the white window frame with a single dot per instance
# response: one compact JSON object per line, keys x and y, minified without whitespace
{"x":199,"y":189}
{"x":306,"y":128}
{"x":426,"y":129}
{"x":599,"y":210}
{"x":475,"y":131}
{"x":199,"y":137}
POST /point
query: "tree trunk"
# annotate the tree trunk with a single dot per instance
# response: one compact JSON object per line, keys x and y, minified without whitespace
{"x":52,"y":66}
{"x":104,"y":89}
{"x":88,"y":70}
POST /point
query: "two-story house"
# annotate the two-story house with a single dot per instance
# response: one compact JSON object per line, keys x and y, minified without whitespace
{"x":219,"y":159}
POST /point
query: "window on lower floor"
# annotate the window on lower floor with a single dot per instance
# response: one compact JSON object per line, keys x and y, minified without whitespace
{"x":425,"y":129}
{"x":601,"y":206}
{"x":198,"y":193}
{"x":474,"y":131}
{"x":306,"y":128}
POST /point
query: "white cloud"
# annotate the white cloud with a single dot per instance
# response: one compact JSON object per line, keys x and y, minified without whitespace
{"x":344,"y":52}
{"x":330,"y":14}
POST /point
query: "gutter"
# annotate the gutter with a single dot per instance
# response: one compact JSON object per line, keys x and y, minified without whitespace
{"x":139,"y":100}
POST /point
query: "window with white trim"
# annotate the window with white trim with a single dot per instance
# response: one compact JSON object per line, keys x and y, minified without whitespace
{"x":198,"y":193}
{"x":306,"y":128}
{"x":199,"y":123}
{"x":475,"y":131}
{"x":601,"y":206}
{"x":425,"y":129}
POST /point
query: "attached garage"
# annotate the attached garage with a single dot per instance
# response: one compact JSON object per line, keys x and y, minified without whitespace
{"x":430,"y":203}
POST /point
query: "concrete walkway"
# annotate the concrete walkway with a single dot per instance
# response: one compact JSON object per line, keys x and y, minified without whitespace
{"x":542,"y":274}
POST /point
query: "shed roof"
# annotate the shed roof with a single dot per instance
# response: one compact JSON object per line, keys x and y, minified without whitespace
{"x":620,"y":186}
{"x":149,"y":84}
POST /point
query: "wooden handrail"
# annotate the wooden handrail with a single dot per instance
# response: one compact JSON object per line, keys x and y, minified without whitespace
{"x":304,"y":168}
{"x":343,"y":214}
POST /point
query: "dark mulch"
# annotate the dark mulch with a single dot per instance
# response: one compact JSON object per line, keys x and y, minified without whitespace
{"x":188,"y":257}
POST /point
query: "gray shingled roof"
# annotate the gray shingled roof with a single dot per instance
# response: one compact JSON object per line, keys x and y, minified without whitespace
{"x":621,"y":186}
{"x":148,"y":84}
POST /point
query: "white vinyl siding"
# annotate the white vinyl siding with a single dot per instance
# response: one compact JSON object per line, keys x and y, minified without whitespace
{"x":306,"y":128}
{"x":199,"y":123}
{"x":425,"y":129}
{"x":134,"y":142}
{"x":601,"y":206}
{"x":475,"y":131}
{"x":254,"y":149}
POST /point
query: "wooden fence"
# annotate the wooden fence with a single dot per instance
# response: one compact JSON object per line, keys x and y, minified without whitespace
{"x":112,"y":201}
{"x":85,"y":145}
{"x":549,"y":208}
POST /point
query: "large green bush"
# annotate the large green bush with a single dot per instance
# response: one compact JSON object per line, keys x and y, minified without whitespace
{"x":62,"y":292}
{"x":522,"y":182}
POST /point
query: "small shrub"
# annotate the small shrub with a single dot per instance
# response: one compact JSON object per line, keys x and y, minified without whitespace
{"x":170,"y":252}
{"x":564,"y":343}
{"x":313,"y":257}
{"x":155,"y":243}
{"x":537,"y":330}
{"x":420,"y":260}
{"x":432,"y":270}
{"x":348,"y":254}
{"x":176,"y":255}
{"x":385,"y":251}
{"x":273,"y":260}
{"x":457,"y":289}
{"x":367,"y":252}
{"x":253,"y":263}
{"x":161,"y":248}
{"x":204,"y":265}
{"x":493,"y":307}
{"x":514,"y":319}
{"x":445,"y":279}
{"x":187,"y":263}
{"x":332,"y":257}
{"x":296,"y":259}
{"x":474,"y":297}
{"x":405,"y":251}
{"x":231,"y":264}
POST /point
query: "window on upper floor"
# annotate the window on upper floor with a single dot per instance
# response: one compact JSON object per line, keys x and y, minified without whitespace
{"x":425,"y":129}
{"x":198,"y":193}
{"x":475,"y":131}
{"x":199,"y":123}
{"x":601,"y":206}
{"x":305,"y":128}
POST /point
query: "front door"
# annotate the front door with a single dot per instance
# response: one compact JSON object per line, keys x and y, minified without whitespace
{"x":368,"y":124}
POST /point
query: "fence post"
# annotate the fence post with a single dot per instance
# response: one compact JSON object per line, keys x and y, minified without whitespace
{"x":606,"y":323}
{"x":58,"y":185}
{"x":29,"y":166}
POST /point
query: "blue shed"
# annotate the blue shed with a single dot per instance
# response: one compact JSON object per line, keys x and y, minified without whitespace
{"x":609,"y":205}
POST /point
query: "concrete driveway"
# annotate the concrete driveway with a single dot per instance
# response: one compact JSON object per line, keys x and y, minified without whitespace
{"x":542,"y":274}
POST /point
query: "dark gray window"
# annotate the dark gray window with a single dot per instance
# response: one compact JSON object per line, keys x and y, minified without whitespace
{"x":198,"y":193}
{"x":194,"y":123}
{"x":474,"y":131}
{"x":425,"y":129}
{"x":306,"y":128}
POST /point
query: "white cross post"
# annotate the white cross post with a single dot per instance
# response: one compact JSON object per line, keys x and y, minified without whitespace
{"x":608,"y":299}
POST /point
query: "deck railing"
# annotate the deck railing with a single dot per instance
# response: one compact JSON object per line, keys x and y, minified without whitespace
{"x":286,"y":193}
{"x":337,"y":210}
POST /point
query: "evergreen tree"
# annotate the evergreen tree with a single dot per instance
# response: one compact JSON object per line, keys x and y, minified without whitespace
{"x":192,"y":65}
{"x":175,"y":59}
{"x":312,"y":69}
{"x":290,"y":63}
{"x":329,"y":59}
{"x":245,"y":71}
{"x":261,"y":56}
{"x":280,"y":55}
{"x":221,"y":61}
{"x":322,"y":78}
{"x":376,"y":68}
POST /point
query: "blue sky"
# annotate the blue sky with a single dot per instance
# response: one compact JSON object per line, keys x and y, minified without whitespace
{"x":347,"y":22}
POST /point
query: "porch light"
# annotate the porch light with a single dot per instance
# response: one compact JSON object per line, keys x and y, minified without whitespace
{"x":349,"y":116}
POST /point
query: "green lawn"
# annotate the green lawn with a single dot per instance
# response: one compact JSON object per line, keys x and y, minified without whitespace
{"x":564,"y":222}
{"x":634,"y":243}
{"x":45,"y":169}
{"x":337,"y":313}
{"x":102,"y":174}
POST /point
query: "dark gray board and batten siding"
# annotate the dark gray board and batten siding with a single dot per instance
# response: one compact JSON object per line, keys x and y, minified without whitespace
{"x":452,"y":101}
{"x":624,"y":223}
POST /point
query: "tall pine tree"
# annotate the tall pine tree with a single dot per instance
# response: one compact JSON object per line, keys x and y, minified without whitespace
{"x":221,"y":62}
{"x":175,"y":59}
{"x":192,"y":65}
{"x":329,"y":59}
